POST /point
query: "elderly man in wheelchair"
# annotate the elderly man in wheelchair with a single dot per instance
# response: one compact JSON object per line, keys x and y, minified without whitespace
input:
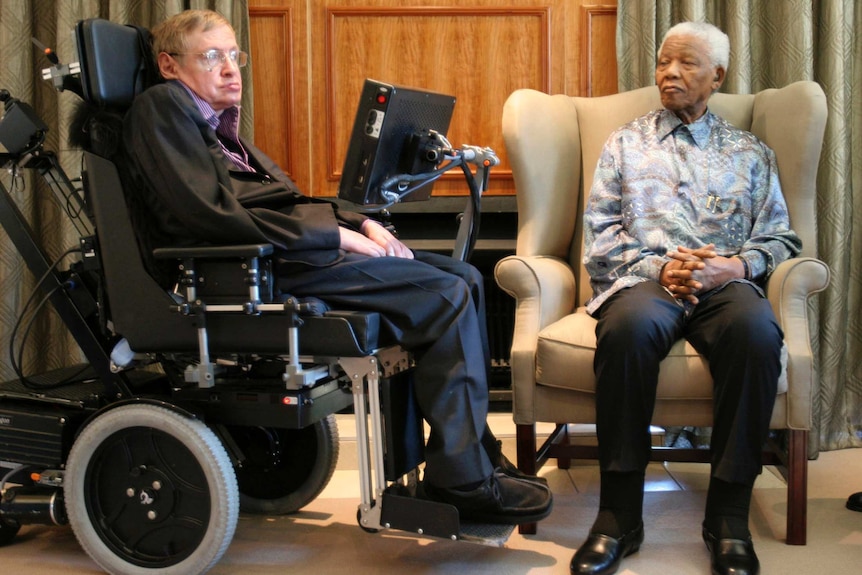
{"x":267,"y":312}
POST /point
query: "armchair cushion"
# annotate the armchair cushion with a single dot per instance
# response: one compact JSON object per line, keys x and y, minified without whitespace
{"x":568,"y":346}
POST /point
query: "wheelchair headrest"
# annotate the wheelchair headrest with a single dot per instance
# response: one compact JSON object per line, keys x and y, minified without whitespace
{"x":116,"y":62}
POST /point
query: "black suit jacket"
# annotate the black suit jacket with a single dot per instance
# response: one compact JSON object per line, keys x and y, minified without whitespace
{"x":194,"y":195}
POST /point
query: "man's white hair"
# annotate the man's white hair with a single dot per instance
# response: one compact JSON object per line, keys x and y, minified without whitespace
{"x":718,"y":42}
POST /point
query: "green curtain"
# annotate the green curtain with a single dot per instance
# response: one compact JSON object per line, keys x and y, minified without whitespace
{"x":47,"y":344}
{"x":774,"y":43}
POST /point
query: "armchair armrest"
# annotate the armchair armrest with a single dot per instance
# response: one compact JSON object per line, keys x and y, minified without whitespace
{"x":790,"y":286}
{"x":544,"y":289}
{"x":788,"y":290}
{"x":543,"y":286}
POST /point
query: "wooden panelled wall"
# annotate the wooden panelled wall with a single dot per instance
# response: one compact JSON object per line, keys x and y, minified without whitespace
{"x":311,"y":57}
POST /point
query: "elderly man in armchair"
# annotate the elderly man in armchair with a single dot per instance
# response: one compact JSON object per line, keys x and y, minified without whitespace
{"x":685,"y":222}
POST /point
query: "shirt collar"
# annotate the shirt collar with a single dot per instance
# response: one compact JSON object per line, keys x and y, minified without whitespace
{"x":213,"y":118}
{"x":225,"y":124}
{"x":699,"y":130}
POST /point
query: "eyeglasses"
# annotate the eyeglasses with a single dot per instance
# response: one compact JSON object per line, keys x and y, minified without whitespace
{"x":213,"y":58}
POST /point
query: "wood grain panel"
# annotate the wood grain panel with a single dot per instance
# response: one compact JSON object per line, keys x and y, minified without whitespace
{"x":478,"y":56}
{"x":280,"y":76}
{"x":310,"y":58}
{"x":598,"y":52}
{"x":270,"y":32}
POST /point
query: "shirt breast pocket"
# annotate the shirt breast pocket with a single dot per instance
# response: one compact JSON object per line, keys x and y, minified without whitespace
{"x":726,"y":220}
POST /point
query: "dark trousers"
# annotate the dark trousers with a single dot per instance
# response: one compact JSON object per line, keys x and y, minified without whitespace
{"x":734,"y":329}
{"x":434,"y":306}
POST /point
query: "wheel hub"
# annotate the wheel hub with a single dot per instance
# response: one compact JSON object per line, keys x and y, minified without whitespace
{"x":152,"y":492}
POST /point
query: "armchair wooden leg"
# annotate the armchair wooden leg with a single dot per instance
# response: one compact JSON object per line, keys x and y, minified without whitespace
{"x":564,"y":462}
{"x":797,"y":487}
{"x":525,"y":438}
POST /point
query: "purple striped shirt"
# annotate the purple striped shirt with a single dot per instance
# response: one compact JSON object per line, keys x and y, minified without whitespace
{"x":226,"y":126}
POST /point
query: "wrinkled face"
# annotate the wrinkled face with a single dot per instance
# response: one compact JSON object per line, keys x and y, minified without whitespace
{"x":220,"y":85}
{"x":685,"y":76}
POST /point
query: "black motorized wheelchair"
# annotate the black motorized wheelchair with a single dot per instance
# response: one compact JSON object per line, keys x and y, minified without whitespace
{"x":195,"y":404}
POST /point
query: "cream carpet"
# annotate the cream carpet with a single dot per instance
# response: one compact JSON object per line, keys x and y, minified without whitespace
{"x":325,"y":538}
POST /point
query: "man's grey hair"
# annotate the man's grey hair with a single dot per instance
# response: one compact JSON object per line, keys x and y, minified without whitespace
{"x":718,"y":42}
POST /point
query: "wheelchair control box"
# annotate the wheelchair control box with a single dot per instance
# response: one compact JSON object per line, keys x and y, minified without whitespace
{"x":37,"y":433}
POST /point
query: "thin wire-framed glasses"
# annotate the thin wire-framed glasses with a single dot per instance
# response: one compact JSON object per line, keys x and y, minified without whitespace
{"x":214,"y":58}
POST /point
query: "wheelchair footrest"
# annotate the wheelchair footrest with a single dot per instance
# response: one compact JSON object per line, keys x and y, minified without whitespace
{"x":493,"y":534}
{"x":424,"y":517}
{"x":420,"y":516}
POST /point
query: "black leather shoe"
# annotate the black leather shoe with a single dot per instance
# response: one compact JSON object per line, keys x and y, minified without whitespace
{"x":602,"y":554}
{"x":504,"y":465}
{"x":854,"y":502}
{"x":731,"y":556}
{"x":500,"y":499}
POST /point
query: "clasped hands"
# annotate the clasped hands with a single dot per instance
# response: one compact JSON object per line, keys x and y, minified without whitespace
{"x":374,"y":241}
{"x":692,"y":271}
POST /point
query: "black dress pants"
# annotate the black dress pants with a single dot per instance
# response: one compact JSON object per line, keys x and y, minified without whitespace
{"x":432,"y":305}
{"x":733,"y":328}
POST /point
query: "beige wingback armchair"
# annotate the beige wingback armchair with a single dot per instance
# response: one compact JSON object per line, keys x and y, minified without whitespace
{"x":553,"y":143}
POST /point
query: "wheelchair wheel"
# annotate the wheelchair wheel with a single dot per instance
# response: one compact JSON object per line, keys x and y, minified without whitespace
{"x":149,"y":490}
{"x":284,"y":469}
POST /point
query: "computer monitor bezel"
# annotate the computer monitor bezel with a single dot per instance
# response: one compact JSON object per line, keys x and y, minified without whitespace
{"x":392,"y":123}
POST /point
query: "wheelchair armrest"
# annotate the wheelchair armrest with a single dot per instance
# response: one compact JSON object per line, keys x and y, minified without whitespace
{"x":340,"y":333}
{"x":223,"y":274}
{"x":206,"y":252}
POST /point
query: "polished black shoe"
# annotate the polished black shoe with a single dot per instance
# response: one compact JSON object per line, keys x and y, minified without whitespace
{"x":602,"y":554}
{"x":499,"y":499}
{"x":731,"y":556}
{"x":854,"y":502}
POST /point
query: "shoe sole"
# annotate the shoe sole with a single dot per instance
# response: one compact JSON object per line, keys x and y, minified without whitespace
{"x":505,"y":519}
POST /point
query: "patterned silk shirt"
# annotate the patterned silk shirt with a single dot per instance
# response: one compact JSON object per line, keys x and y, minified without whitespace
{"x":661,"y":184}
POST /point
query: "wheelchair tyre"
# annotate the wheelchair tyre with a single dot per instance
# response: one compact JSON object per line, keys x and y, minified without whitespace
{"x":284,"y":469}
{"x":150,"y":490}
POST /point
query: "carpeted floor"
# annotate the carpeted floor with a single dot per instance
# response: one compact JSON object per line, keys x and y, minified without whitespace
{"x":324,"y":538}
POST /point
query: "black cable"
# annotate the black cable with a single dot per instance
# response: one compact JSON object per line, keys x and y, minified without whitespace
{"x":72,"y":205}
{"x":36,"y":143}
{"x":17,"y":365}
{"x":25,"y":381}
{"x":425,"y":177}
{"x":476,"y":199}
{"x":393,"y":180}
